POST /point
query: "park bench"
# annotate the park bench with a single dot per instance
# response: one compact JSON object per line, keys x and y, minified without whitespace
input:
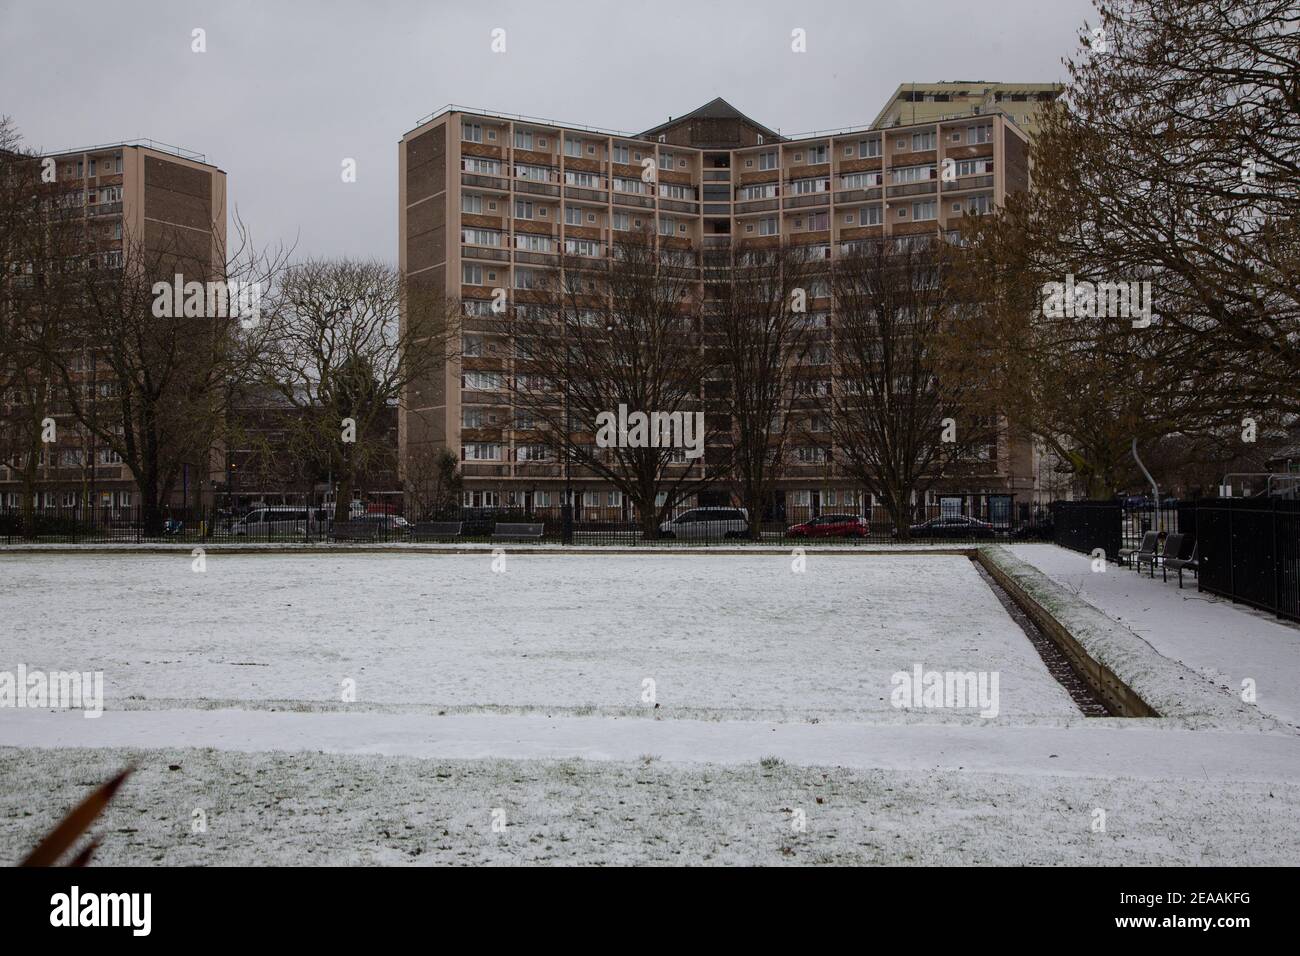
{"x":1148,"y":546}
{"x":437,"y":529}
{"x":354,"y":531}
{"x":506,"y":531}
{"x":1178,"y":563}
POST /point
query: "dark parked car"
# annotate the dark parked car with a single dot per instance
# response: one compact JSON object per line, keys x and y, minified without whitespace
{"x":829,"y":526}
{"x":952,"y":526}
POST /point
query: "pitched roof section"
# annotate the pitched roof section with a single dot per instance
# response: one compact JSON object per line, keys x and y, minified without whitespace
{"x":716,"y":108}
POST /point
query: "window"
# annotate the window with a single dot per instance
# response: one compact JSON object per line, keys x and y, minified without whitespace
{"x":471,"y":274}
{"x":480,"y":451}
{"x":621,"y":154}
{"x":621,"y":222}
{"x":525,"y":279}
{"x":523,"y":209}
{"x":922,"y":141}
{"x":471,"y":132}
{"x":109,"y":457}
{"x":812,"y":455}
{"x":481,"y":237}
{"x":667,"y":226}
{"x":471,"y":345}
{"x":767,"y":160}
{"x":979,"y":134}
{"x":974,"y":167}
{"x":573,"y":147}
{"x":582,"y":247}
{"x":530,"y":242}
{"x":471,"y":417}
{"x":478,"y":307}
{"x":818,"y":221}
{"x":869,"y":148}
{"x":523,"y":139}
{"x":911,"y":174}
{"x":806,"y":186}
{"x":979,"y":205}
{"x":674,"y":191}
{"x":533,"y":453}
{"x":924,"y":210}
{"x":536,"y":174}
{"x":816,"y":155}
{"x":768,"y":227}
{"x":481,"y":381}
{"x":870,"y":216}
{"x":666,"y":160}
{"x":623,"y":185}
{"x":585,"y":180}
{"x":484,"y":167}
{"x":471,"y":204}
{"x":760,"y":191}
{"x":573,"y":215}
{"x":861,"y":180}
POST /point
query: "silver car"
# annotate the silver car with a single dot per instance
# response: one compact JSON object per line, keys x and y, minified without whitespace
{"x":712,"y":523}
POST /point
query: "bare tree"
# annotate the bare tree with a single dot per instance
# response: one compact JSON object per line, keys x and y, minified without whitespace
{"x":336,"y":351}
{"x":905,"y":411}
{"x":600,"y":335}
{"x":760,"y":334}
{"x":42,"y":244}
{"x":433,"y":484}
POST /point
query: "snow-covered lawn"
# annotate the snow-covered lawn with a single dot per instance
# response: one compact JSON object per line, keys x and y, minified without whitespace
{"x":724,"y":636}
{"x":331,"y":809}
{"x":524,"y":692}
{"x":1224,"y":642}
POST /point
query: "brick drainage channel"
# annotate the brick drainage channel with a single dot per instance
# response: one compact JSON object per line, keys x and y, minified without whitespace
{"x":1058,"y":665}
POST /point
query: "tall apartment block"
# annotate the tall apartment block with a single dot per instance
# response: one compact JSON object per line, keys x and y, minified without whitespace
{"x":914,"y":103}
{"x":486,"y":200}
{"x":136,"y":191}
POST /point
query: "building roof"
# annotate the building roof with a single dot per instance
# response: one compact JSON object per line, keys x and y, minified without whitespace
{"x":716,"y":108}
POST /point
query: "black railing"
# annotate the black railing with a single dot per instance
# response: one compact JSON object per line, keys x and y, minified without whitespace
{"x":1249,"y":552}
{"x":1089,"y":525}
{"x":602,"y":524}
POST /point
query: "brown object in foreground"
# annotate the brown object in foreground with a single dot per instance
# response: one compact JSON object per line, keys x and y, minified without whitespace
{"x":61,"y":838}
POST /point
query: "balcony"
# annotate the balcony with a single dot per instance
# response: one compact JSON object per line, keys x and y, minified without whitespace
{"x":104,"y":209}
{"x":634,"y":199}
{"x":536,"y":188}
{"x":756,"y":205}
{"x":484,"y":182}
{"x":587,"y":195}
{"x":913,"y":189}
{"x":969,"y":182}
{"x":675,"y":205}
{"x":858,"y":195}
{"x":485,"y":252}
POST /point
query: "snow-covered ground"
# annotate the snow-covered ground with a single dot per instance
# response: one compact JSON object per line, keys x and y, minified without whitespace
{"x":730,"y":636}
{"x":1224,"y":642}
{"x":523,"y":692}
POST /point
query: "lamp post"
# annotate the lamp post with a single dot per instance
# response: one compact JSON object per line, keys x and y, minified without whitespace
{"x":567,"y":513}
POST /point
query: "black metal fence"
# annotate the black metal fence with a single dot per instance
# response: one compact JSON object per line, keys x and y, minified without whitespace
{"x":1088,"y":525}
{"x":1249,"y":551}
{"x":310,"y":524}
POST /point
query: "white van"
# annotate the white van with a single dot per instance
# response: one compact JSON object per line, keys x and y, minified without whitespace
{"x":712,"y":523}
{"x":281,"y":522}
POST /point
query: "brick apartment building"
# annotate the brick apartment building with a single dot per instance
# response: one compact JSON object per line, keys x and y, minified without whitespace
{"x":129,"y":191}
{"x":914,"y":103}
{"x":485,"y":200}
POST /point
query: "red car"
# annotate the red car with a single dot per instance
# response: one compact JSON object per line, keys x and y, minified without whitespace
{"x":830,"y":526}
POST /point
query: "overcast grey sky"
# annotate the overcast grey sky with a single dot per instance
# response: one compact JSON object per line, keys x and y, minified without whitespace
{"x":287,"y":90}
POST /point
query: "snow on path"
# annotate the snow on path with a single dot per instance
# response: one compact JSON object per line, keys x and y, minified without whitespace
{"x":1224,"y":642}
{"x":1127,"y":748}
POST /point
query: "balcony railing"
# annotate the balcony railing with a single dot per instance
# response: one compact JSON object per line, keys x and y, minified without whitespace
{"x":536,"y":188}
{"x":969,"y":182}
{"x":484,"y":182}
{"x":912,"y":189}
{"x":634,"y":199}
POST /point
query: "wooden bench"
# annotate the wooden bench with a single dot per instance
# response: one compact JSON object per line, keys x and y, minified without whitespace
{"x":505,"y":531}
{"x":437,"y":529}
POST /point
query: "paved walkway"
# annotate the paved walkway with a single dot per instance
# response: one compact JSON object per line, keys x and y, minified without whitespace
{"x":1110,"y":748}
{"x":1227,"y":643}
